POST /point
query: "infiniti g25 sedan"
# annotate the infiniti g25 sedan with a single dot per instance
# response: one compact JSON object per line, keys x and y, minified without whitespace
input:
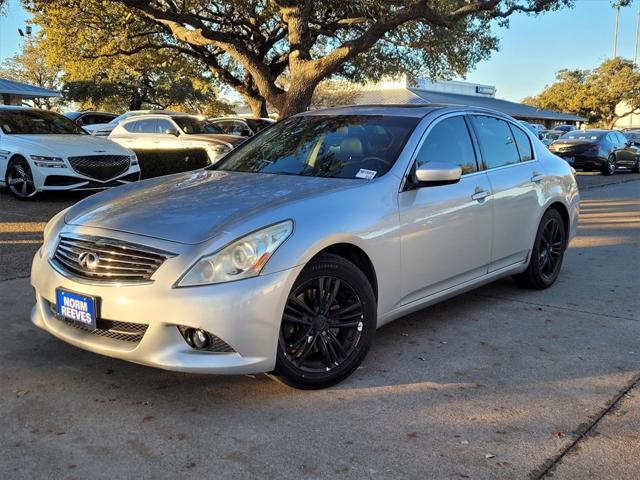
{"x":286,"y":255}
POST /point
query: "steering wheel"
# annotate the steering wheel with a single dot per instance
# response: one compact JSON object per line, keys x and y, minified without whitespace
{"x":384,"y":164}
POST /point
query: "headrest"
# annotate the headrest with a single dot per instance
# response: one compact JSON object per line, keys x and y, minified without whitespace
{"x":351,"y":147}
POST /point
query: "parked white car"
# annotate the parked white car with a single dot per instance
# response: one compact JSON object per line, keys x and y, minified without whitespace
{"x":104,"y":129}
{"x":245,"y":127}
{"x":42,"y":150}
{"x":173,"y":131}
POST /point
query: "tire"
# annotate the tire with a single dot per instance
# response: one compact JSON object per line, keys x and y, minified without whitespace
{"x":311,"y":353}
{"x":610,"y":166}
{"x":636,"y":167}
{"x":19,"y":179}
{"x":547,"y":254}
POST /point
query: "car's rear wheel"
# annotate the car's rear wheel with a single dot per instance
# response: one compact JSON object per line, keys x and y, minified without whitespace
{"x":20,"y":179}
{"x":610,"y":167}
{"x":548,"y":253}
{"x":636,"y":167}
{"x":328,"y":324}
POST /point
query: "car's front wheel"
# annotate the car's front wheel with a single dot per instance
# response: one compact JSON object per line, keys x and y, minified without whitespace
{"x":328,"y":324}
{"x":20,"y":179}
{"x":547,"y":254}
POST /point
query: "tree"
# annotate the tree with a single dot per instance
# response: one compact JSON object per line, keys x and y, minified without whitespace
{"x":251,"y":44}
{"x":30,"y":67}
{"x":86,"y":37}
{"x":603,"y":95}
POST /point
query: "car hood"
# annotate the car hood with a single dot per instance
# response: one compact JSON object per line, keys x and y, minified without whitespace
{"x":69,"y":145}
{"x":193,"y":207}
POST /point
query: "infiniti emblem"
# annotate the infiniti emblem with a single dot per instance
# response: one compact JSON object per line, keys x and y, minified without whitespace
{"x":88,"y":260}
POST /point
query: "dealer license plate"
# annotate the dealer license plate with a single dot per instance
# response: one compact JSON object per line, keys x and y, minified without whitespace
{"x":77,"y":308}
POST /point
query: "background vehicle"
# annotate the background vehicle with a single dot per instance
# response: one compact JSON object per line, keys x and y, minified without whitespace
{"x":549,"y":136}
{"x":171,"y":143}
{"x":244,"y":127}
{"x":104,"y":129}
{"x":564,"y":128}
{"x":535,"y":130}
{"x":42,"y":150}
{"x":290,"y":252}
{"x":83,"y":119}
{"x":603,"y":150}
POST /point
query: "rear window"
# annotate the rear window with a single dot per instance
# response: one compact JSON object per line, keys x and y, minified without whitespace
{"x":523,"y":143}
{"x":582,"y":135}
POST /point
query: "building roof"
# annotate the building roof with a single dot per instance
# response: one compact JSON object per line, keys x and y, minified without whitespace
{"x":516,"y":110}
{"x":417,"y":96}
{"x":9,"y":87}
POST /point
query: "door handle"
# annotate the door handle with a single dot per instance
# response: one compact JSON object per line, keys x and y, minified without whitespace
{"x":536,"y":177}
{"x":480,"y":195}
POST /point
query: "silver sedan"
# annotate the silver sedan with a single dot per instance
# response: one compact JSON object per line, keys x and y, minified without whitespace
{"x":288,"y":254}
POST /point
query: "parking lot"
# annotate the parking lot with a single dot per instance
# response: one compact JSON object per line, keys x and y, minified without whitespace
{"x":496,"y":383}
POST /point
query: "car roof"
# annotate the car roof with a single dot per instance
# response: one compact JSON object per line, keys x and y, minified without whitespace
{"x":415,"y":110}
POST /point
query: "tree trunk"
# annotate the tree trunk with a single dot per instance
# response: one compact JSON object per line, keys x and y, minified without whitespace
{"x":258,"y":106}
{"x":297,"y":99}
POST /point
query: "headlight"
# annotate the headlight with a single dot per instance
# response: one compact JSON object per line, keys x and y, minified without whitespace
{"x":53,"y":224}
{"x":241,"y":259}
{"x":48,"y":162}
{"x":134,"y":159}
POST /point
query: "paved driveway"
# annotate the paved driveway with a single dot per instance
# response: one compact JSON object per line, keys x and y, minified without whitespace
{"x":497,"y":383}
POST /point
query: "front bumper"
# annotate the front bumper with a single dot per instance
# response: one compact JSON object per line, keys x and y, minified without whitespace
{"x":245,"y":314}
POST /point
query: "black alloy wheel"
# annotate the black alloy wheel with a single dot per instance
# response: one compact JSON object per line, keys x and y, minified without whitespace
{"x":547,"y":254}
{"x":610,"y":166}
{"x":20,"y":179}
{"x":327,"y":325}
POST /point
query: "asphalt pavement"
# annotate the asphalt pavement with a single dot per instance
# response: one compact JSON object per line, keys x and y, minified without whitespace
{"x":496,"y":383}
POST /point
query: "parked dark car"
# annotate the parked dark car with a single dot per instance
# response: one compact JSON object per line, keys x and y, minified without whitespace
{"x":564,"y":128}
{"x":89,"y":118}
{"x":603,"y":150}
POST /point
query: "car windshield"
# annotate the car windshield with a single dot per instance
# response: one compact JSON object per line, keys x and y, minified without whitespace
{"x":194,"y":126}
{"x":586,"y":135}
{"x":633,"y":136}
{"x":37,"y":122}
{"x":343,"y":146}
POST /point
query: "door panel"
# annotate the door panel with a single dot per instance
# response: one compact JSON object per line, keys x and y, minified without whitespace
{"x":516,"y":203}
{"x":446,"y":235}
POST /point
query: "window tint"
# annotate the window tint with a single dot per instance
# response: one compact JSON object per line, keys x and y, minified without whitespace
{"x":163,"y":125}
{"x":449,"y":141}
{"x":141,"y":126}
{"x":496,"y":141}
{"x":523,"y":143}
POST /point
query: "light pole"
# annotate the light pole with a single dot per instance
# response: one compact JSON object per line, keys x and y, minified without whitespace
{"x":615,"y":30}
{"x":635,"y":43}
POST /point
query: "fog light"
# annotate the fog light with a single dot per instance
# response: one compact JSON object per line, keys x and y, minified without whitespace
{"x":196,"y":338}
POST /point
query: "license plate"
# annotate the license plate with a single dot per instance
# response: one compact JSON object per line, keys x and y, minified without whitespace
{"x":77,"y":308}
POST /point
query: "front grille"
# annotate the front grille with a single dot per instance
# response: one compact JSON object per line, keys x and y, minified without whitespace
{"x":107,"y":260}
{"x":100,"y":167}
{"x":123,"y":331}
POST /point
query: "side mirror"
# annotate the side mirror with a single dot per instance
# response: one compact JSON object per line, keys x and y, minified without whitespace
{"x":172,"y":131}
{"x":432,"y":174}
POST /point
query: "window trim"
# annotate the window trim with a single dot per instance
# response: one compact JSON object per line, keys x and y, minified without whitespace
{"x":425,"y":134}
{"x":511,"y":127}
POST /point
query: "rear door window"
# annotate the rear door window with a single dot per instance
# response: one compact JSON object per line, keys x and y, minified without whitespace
{"x":141,"y":126}
{"x":496,"y":141}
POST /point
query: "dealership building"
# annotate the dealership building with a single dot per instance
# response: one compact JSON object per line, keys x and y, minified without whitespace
{"x":425,"y":90}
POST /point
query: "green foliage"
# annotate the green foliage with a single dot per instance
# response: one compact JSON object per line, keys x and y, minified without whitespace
{"x":603,"y":95}
{"x":277,"y":51}
{"x":109,"y":64}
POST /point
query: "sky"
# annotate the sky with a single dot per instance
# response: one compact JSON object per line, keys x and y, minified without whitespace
{"x":531,"y":51}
